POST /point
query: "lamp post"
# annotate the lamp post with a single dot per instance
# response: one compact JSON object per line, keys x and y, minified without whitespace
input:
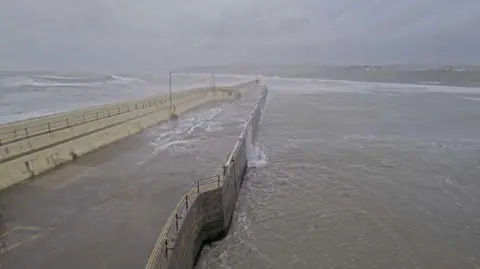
{"x":170,"y":89}
{"x":213,"y":81}
{"x":173,"y":115}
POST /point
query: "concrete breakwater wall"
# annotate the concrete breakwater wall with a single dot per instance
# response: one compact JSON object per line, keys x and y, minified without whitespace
{"x":205,"y":211}
{"x":34,"y":146}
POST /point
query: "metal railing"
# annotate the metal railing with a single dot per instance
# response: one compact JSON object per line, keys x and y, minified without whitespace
{"x":30,"y":131}
{"x":166,"y":240}
{"x":68,"y":122}
{"x":172,"y":227}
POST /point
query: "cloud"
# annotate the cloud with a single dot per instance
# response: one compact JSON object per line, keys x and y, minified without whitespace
{"x":152,"y":34}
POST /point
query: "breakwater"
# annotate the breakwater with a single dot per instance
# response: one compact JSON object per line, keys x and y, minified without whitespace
{"x":31,"y":147}
{"x":205,"y":211}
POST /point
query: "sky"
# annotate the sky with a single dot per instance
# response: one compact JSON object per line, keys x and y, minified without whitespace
{"x":159,"y":34}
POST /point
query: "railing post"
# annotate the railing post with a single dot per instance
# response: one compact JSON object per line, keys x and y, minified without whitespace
{"x":186,"y":201}
{"x":176,"y":221}
{"x":234,"y":172}
{"x":198,"y":186}
{"x":49,"y":129}
{"x":26,"y":132}
{"x":109,"y":113}
{"x":218,"y":180}
{"x":68,"y":124}
{"x":166,"y":248}
{"x":234,"y":182}
{"x":97,"y":115}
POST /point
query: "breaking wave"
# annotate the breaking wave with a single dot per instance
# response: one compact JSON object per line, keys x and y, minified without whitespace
{"x":46,"y":81}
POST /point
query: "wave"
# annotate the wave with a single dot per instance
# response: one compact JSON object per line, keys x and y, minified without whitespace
{"x":124,"y":79}
{"x":47,"y":81}
{"x":67,"y":78}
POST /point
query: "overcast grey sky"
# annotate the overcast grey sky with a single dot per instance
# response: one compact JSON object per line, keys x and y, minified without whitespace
{"x":150,"y":34}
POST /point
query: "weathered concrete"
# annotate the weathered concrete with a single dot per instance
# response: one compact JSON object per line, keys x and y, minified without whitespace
{"x":32,"y":156}
{"x":204,"y":213}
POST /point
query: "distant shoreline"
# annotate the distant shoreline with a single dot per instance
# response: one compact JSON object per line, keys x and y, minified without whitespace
{"x":441,"y":76}
{"x":420,"y":83}
{"x":446,"y":76}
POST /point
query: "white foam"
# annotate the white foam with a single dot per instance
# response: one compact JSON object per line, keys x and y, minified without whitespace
{"x":58,"y":77}
{"x":301,"y":85}
{"x":46,"y":81}
{"x":18,"y":81}
{"x":26,"y":115}
{"x":257,"y":157}
{"x":477,"y":99}
{"x":178,"y":135}
{"x":171,"y":143}
{"x":35,"y":81}
{"x":123,"y":79}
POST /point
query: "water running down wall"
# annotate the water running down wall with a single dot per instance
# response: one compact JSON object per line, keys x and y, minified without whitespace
{"x":205,"y":211}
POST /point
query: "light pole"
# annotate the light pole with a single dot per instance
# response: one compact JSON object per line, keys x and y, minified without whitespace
{"x":170,"y":89}
{"x":213,"y":81}
{"x":173,"y":115}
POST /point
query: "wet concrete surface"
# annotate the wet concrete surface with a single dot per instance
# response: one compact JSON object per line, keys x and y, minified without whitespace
{"x":106,"y":209}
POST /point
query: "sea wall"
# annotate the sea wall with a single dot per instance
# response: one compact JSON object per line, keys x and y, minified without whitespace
{"x":57,"y":139}
{"x":205,"y":212}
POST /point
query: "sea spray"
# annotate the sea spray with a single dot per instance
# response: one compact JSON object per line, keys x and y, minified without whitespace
{"x":256,"y":157}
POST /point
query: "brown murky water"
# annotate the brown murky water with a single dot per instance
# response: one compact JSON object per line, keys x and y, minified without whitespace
{"x":352,"y":175}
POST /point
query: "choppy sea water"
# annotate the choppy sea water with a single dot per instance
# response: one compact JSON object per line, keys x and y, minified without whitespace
{"x":344,"y":175}
{"x":27,"y":95}
{"x":359,"y":175}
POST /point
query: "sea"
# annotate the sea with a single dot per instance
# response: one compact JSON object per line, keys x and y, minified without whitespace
{"x":343,"y":175}
{"x":25,"y":95}
{"x":359,"y":175}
